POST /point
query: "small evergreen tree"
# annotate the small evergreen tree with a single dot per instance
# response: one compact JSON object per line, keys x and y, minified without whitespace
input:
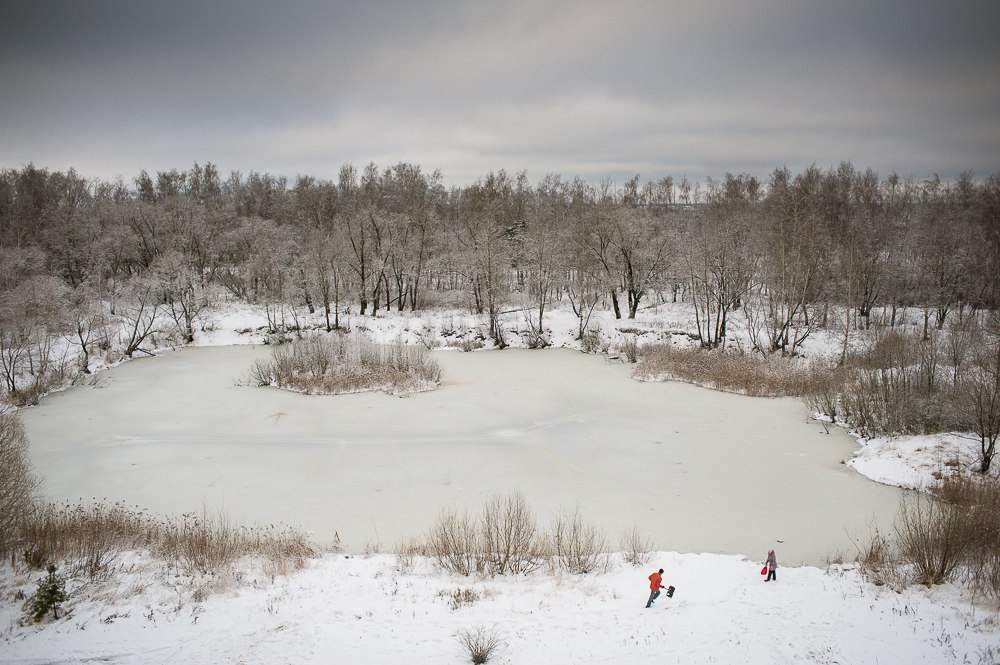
{"x":50,"y":595}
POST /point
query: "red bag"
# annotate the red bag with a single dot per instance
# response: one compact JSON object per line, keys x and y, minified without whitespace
{"x":763,"y":571}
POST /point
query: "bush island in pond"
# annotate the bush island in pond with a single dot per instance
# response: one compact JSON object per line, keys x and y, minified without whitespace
{"x":336,"y":364}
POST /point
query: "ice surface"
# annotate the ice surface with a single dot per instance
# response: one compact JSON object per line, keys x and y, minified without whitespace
{"x":696,"y":470}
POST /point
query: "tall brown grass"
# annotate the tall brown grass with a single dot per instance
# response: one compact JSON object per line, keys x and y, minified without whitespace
{"x":770,"y":376}
{"x":89,"y":539}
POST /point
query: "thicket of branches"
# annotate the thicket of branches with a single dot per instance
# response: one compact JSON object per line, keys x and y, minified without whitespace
{"x":951,"y":534}
{"x":148,"y":256}
{"x":505,"y":538}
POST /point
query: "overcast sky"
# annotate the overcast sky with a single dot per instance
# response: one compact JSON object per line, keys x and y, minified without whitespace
{"x":595,"y":89}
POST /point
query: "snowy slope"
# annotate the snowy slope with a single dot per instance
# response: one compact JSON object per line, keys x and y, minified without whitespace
{"x":366,"y":610}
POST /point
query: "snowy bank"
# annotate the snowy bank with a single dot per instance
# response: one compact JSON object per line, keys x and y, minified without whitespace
{"x":375,"y":610}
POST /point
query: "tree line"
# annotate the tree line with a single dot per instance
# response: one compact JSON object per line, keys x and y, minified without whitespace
{"x":783,"y":253}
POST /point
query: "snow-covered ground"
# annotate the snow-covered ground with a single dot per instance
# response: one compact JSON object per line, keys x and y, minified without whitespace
{"x":377,"y":609}
{"x":373,"y":610}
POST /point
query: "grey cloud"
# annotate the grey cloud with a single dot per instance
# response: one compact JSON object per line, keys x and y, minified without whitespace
{"x":589,"y":89}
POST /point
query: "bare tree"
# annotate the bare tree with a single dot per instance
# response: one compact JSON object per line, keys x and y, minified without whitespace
{"x":181,"y":292}
{"x":17,"y":482}
{"x":544,"y":248}
{"x":138,"y":313}
{"x":489,"y":227}
{"x":642,"y":249}
{"x":794,"y":257}
{"x":981,"y":393}
{"x":88,"y":322}
{"x":31,"y":321}
{"x":719,"y":262}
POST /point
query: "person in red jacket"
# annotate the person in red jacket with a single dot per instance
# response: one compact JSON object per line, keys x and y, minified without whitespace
{"x":655,"y":584}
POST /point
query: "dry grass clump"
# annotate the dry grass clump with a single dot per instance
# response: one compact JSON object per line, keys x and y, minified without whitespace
{"x":203,"y":544}
{"x":480,"y":643}
{"x":89,"y":539}
{"x":458,"y":597}
{"x":336,"y":364}
{"x":770,"y":376}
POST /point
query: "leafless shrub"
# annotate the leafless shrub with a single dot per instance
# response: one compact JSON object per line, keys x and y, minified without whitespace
{"x":17,"y":482}
{"x":637,"y":548}
{"x":480,"y":643}
{"x":335,"y":364}
{"x":510,"y":539}
{"x":823,"y":394}
{"x":576,"y":546}
{"x":934,"y":538}
{"x":455,"y":544}
{"x":951,"y":534}
{"x":899,"y":386}
{"x":977,"y":498}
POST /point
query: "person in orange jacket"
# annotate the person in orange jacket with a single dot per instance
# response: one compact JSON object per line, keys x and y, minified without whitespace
{"x":655,"y":584}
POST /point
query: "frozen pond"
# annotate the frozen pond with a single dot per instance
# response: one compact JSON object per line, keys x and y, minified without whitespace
{"x":694,"y":469}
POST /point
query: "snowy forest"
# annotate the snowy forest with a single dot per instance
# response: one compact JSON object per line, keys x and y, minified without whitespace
{"x":789,"y":248}
{"x":89,"y":264}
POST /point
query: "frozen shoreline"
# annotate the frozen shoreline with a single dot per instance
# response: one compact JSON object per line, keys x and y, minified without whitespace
{"x":695,"y":469}
{"x":379,"y":609}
